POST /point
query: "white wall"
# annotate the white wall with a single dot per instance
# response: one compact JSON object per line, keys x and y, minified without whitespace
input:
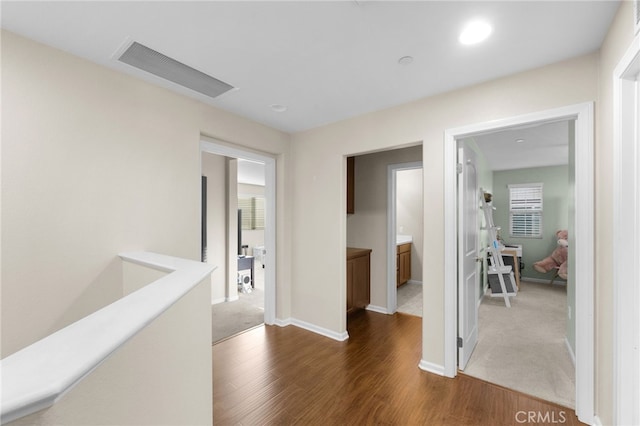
{"x":157,"y":378}
{"x":616,"y":43}
{"x":95,"y":162}
{"x":231,"y":206}
{"x":319,"y":181}
{"x":214,"y":167}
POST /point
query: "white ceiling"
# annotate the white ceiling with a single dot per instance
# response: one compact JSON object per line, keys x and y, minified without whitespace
{"x":326,"y":61}
{"x":540,"y":145}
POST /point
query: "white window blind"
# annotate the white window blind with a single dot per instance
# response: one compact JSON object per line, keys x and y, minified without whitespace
{"x":252,"y":212}
{"x":525,"y":210}
{"x":258,"y":213}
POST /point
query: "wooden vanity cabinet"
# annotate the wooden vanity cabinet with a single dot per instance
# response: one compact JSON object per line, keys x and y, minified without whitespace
{"x":403,"y":264}
{"x":358,"y":278}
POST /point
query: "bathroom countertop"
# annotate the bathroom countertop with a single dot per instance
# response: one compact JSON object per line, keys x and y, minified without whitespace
{"x":403,"y":239}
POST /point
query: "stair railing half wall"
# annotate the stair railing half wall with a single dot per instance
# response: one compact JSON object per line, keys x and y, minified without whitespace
{"x":37,"y":376}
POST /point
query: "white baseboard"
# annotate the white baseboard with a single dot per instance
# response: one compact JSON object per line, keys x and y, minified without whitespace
{"x":219,"y":300}
{"x":341,"y":337}
{"x":571,"y":354}
{"x":320,"y":330}
{"x":431,"y":367}
{"x":282,"y":322}
{"x":557,"y":281}
{"x":232,"y":298}
{"x":378,"y":309}
{"x":414,"y":282}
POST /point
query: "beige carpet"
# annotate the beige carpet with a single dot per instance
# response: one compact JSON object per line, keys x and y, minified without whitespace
{"x":523,"y":348}
{"x":231,"y":318}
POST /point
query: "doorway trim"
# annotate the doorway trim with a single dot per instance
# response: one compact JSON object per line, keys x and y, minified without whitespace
{"x":214,"y":146}
{"x":626,"y":237}
{"x":584,"y":240}
{"x":392,"y":288}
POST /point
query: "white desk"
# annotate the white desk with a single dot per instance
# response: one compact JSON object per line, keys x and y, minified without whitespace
{"x":515,"y":252}
{"x":514,"y":247}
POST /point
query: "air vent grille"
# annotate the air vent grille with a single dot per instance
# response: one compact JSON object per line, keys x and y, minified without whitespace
{"x":146,"y":59}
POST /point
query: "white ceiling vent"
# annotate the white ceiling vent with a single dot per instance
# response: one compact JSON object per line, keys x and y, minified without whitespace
{"x":146,"y":59}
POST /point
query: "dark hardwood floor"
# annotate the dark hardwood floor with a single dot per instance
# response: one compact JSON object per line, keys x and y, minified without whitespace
{"x":281,"y":376}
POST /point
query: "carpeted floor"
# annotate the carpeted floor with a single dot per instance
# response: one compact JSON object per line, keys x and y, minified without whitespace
{"x":410,"y":299}
{"x":231,"y":318}
{"x":523,"y":348}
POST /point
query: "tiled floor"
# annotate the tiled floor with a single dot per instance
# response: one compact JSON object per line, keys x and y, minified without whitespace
{"x":410,"y":299}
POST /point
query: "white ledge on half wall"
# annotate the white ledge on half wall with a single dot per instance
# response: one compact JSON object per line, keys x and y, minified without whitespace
{"x":37,"y":376}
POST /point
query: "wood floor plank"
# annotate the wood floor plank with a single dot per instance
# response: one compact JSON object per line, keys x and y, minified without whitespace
{"x":285,"y":375}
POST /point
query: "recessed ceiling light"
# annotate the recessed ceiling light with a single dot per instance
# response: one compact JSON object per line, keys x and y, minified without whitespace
{"x":278,"y":107}
{"x":475,"y":32}
{"x":405,"y":60}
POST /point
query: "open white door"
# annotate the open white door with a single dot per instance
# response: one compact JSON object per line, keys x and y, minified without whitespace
{"x":468,"y":256}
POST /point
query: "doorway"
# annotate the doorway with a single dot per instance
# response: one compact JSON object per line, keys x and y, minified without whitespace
{"x":526,"y":341}
{"x":582,"y":240}
{"x":405,"y":238}
{"x":370,"y":226}
{"x":267,"y":252}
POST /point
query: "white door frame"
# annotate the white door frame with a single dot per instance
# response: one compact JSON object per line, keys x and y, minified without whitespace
{"x":626,"y":238}
{"x":583,"y":247}
{"x":392,"y":287}
{"x":214,"y":146}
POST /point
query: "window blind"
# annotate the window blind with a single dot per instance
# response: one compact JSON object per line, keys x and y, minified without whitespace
{"x":252,"y":212}
{"x":258,"y":213}
{"x":525,"y":210}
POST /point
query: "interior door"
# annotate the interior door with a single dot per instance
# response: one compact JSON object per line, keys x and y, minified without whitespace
{"x":468,"y":256}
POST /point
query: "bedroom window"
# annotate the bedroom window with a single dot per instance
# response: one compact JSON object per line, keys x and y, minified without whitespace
{"x":525,"y":210}
{"x":252,"y":212}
